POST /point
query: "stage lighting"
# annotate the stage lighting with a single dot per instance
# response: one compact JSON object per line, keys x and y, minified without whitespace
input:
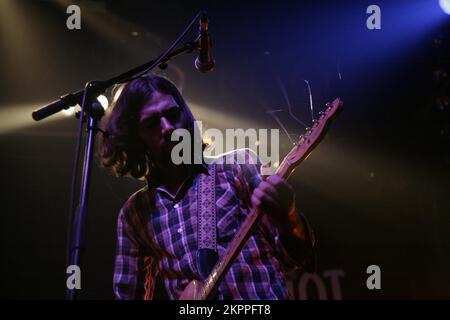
{"x":445,"y":6}
{"x":101,"y":98}
{"x":103,"y":101}
{"x":68,"y":112}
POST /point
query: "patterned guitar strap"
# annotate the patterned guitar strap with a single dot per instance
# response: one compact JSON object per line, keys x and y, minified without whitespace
{"x":207,"y":255}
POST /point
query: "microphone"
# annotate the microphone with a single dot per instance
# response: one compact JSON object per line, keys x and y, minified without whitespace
{"x":204,"y":61}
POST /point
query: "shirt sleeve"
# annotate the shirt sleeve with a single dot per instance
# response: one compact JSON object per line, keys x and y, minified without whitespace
{"x":133,"y":279}
{"x":297,"y":253}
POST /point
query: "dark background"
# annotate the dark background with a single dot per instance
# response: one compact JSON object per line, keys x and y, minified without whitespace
{"x":376,"y":190}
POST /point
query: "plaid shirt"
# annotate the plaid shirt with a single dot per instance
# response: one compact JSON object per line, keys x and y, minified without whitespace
{"x":157,"y":233}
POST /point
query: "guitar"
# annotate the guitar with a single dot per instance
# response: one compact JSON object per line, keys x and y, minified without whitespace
{"x":197,"y":290}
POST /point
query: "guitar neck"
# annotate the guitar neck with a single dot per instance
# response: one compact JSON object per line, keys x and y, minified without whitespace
{"x":300,"y":152}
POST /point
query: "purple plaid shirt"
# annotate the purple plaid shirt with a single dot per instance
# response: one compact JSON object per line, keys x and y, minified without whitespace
{"x":157,"y":234}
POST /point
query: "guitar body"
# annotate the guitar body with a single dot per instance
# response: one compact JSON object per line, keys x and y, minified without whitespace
{"x":192,"y":291}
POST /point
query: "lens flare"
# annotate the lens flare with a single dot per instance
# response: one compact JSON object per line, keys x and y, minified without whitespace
{"x":445,"y":6}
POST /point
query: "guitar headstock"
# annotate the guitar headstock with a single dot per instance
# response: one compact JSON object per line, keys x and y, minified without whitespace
{"x":308,"y":141}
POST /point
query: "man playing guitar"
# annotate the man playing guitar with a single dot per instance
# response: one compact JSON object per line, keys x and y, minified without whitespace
{"x":157,"y":226}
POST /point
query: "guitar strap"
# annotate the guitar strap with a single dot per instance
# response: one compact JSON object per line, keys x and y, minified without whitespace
{"x":207,"y":254}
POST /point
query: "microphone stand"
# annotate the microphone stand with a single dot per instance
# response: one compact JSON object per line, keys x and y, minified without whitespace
{"x":92,"y":111}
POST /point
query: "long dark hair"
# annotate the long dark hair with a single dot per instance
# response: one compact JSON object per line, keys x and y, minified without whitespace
{"x":120,"y":148}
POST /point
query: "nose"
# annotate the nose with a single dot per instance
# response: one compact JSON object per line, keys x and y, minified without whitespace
{"x":166,"y":127}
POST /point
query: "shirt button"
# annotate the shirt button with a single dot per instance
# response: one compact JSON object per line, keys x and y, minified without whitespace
{"x":179,"y":230}
{"x":175,"y":205}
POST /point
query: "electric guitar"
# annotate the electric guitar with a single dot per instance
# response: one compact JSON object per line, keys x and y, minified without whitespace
{"x":197,"y":290}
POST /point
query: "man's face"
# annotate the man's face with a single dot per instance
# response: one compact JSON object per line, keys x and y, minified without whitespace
{"x":159,"y":117}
